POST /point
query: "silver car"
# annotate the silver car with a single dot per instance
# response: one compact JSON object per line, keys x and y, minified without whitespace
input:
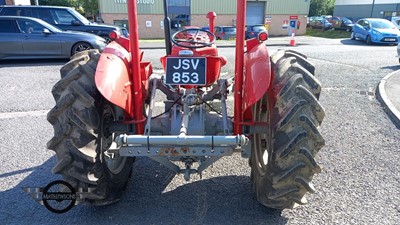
{"x":26,"y":37}
{"x":225,"y":32}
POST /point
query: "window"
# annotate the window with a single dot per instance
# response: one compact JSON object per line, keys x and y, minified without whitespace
{"x":19,"y":12}
{"x":382,"y":24}
{"x":30,"y":27}
{"x":45,"y":15}
{"x":10,"y":12}
{"x":63,"y":17}
{"x":230,"y":29}
{"x":8,"y":26}
{"x":259,"y":28}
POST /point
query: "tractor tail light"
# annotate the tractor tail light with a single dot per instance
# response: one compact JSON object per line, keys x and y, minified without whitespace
{"x":263,"y":36}
{"x":113,"y":35}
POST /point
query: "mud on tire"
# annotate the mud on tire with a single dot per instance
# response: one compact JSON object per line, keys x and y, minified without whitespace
{"x":282,"y":160}
{"x":78,"y":119}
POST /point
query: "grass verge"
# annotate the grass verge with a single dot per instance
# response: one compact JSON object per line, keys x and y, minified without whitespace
{"x":327,"y":33}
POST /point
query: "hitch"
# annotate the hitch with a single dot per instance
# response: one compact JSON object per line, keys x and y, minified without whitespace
{"x":205,"y":150}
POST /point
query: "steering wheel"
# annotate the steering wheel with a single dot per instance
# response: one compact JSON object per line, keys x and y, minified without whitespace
{"x":193,"y":38}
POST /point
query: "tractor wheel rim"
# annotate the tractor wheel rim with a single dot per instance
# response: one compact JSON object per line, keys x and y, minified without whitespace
{"x":116,"y":164}
{"x":261,"y":142}
{"x":81,"y":48}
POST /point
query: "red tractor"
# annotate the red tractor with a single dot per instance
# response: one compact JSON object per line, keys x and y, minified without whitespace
{"x":104,"y":114}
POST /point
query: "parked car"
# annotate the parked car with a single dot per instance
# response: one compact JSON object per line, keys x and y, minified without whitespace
{"x":26,"y":37}
{"x":328,"y":17}
{"x":341,"y":23}
{"x":396,"y":21}
{"x":225,"y":32}
{"x":310,"y":19}
{"x":320,"y":23}
{"x":207,"y":28}
{"x":398,"y":51}
{"x":64,"y":18}
{"x":373,"y":30}
{"x":252,"y":31}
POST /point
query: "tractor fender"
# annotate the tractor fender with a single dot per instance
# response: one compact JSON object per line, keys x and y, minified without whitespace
{"x":257,"y":77}
{"x":112,"y":77}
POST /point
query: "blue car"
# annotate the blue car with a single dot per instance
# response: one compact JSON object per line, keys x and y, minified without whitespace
{"x":252,"y":31}
{"x":372,"y":30}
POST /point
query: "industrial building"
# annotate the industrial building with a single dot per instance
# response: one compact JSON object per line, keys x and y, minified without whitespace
{"x":279,"y":16}
{"x":356,"y":9}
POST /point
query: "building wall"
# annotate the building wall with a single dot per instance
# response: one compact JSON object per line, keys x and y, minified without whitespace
{"x":365,"y":2}
{"x":275,"y":29}
{"x":143,"y":6}
{"x":204,"y":6}
{"x":357,"y":11}
{"x":151,"y":11}
{"x":286,"y":7}
{"x":218,"y":6}
{"x":145,"y":32}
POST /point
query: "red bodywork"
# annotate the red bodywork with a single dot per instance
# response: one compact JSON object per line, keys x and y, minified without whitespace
{"x":122,"y":78}
{"x":256,"y":76}
{"x":114,"y":81}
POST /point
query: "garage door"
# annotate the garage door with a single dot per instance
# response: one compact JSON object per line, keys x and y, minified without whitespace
{"x":255,"y":13}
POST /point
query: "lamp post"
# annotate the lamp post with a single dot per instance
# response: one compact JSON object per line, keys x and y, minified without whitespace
{"x":373,"y":5}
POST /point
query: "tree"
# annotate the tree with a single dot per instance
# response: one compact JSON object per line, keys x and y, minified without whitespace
{"x":68,"y":3}
{"x":321,"y":7}
{"x":88,"y":7}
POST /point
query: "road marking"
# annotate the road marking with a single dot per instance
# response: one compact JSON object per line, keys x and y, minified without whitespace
{"x":333,"y":89}
{"x":371,"y":96}
{"x":11,"y":115}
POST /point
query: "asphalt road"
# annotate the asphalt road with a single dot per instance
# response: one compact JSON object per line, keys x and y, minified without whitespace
{"x":360,"y":182}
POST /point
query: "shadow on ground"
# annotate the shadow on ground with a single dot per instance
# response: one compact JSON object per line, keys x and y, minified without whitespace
{"x":394,"y":68}
{"x":32,"y":62}
{"x":362,"y":43}
{"x":219,"y":200}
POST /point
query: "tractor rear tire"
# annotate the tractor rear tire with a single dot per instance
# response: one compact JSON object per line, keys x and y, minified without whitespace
{"x":79,"y":119}
{"x":283,"y":159}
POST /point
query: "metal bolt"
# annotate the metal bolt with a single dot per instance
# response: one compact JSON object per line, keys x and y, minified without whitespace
{"x":204,"y":151}
{"x":130,"y":151}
